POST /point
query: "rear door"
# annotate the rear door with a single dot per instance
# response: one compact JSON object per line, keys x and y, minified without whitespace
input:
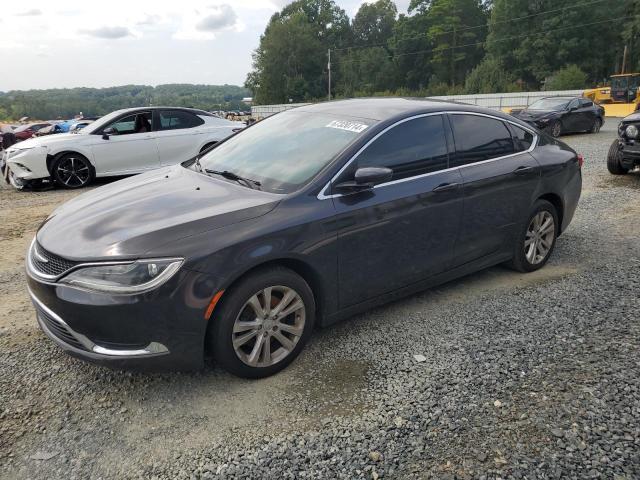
{"x":130,"y":149}
{"x":587,"y":114}
{"x":500,"y":178}
{"x":177,"y":135}
{"x":402,"y":231}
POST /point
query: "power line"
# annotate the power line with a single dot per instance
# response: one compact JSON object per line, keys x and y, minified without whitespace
{"x":457,"y":30}
{"x":500,"y":39}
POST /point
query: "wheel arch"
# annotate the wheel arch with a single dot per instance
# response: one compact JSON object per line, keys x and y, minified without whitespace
{"x":298,"y":266}
{"x":555,"y":200}
{"x":52,"y":157}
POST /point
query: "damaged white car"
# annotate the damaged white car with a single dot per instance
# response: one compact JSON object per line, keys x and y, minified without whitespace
{"x":124,"y":142}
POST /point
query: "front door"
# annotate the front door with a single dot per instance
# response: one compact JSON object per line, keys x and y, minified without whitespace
{"x":500,"y":178}
{"x":402,"y":231}
{"x":129,"y":148}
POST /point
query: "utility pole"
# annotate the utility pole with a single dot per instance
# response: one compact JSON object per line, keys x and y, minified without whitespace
{"x":329,"y":68}
{"x":624,"y":59}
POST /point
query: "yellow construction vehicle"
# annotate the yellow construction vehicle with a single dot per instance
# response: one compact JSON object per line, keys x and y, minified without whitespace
{"x":621,"y":98}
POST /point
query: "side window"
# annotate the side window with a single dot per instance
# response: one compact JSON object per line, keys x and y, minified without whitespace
{"x":177,"y":119}
{"x":574,"y":104}
{"x":585,"y":103}
{"x":522,"y":138}
{"x":134,"y":123}
{"x":411,"y":148}
{"x":479,"y":138}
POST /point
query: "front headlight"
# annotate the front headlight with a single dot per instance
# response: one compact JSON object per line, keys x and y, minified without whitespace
{"x":631,"y":131}
{"x":134,"y":277}
{"x":543,"y":120}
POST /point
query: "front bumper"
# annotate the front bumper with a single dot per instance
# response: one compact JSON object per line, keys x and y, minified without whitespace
{"x":160,"y":330}
{"x":630,"y":153}
{"x":27,"y":164}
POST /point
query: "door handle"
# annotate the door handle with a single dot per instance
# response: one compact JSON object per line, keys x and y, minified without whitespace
{"x":522,"y":170}
{"x":445,"y":187}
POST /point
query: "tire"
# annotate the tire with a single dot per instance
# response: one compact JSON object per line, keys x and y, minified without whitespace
{"x":72,"y":171}
{"x":614,"y":165}
{"x":522,"y":261}
{"x":595,"y":128}
{"x":237,"y":321}
{"x":555,"y":129}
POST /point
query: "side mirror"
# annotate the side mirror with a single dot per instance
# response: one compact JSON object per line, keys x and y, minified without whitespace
{"x":108,"y":131}
{"x":366,"y":178}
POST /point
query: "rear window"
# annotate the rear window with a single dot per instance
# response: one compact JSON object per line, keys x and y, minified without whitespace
{"x":178,"y":119}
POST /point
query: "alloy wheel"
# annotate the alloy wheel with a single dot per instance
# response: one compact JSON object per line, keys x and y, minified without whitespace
{"x":596,"y":126}
{"x":539,"y":238}
{"x":269,"y":326}
{"x":556,"y":129}
{"x":73,"y":172}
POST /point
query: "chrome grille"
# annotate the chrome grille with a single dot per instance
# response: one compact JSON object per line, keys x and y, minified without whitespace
{"x":58,"y":329}
{"x":48,"y":263}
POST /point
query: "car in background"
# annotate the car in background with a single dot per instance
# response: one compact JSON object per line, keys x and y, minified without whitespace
{"x":124,"y":142}
{"x":559,"y":115}
{"x":307,"y":217}
{"x":24,"y":132}
{"x":79,"y":125}
{"x":50,"y":130}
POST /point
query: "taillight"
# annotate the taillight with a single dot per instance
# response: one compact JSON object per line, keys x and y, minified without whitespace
{"x":580,"y":160}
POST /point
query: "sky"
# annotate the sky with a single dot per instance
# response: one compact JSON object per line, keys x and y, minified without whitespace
{"x":49,"y":44}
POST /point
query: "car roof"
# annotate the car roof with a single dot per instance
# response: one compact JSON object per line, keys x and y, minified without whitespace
{"x":187,"y":109}
{"x":389,"y":107}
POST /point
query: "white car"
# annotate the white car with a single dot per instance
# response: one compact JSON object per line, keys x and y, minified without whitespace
{"x":123,"y":142}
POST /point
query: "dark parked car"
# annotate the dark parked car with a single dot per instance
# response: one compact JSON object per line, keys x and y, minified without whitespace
{"x":302,"y":219}
{"x":624,"y":153}
{"x":558,"y":115}
{"x":24,"y":132}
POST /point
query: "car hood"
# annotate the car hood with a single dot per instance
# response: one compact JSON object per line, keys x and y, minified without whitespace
{"x":47,"y":140}
{"x":130,"y":217}
{"x":634,"y":117}
{"x":532,"y":115}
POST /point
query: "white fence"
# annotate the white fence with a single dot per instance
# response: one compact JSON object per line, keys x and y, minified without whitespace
{"x":497,"y":101}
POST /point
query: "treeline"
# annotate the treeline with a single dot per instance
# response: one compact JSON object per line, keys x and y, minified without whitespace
{"x":442,"y":47}
{"x":67,"y":102}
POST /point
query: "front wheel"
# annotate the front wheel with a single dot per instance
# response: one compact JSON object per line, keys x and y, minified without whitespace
{"x":537,"y":239}
{"x":614,"y":163}
{"x":72,"y":170}
{"x":263,"y":323}
{"x":556,"y":129}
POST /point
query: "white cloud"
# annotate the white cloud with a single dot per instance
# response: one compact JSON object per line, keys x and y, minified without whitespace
{"x":219,"y":18}
{"x":207,"y":22}
{"x":30,"y":13}
{"x":110,"y":33}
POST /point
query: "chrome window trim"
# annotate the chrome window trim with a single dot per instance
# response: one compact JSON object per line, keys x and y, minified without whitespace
{"x":323,"y":193}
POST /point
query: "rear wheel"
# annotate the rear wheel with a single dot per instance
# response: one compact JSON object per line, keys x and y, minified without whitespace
{"x":263,"y":323}
{"x":597,"y":123}
{"x":72,"y":170}
{"x":537,"y":239}
{"x":614,"y":157}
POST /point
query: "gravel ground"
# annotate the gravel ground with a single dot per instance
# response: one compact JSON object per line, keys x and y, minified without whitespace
{"x":524,"y":376}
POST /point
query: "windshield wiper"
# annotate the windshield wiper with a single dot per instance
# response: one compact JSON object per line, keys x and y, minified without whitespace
{"x":234,"y":176}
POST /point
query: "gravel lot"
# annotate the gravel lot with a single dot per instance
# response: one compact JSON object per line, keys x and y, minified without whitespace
{"x":526,"y":376}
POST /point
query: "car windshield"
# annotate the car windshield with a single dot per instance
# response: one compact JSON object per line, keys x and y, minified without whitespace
{"x":22,"y":128}
{"x":285,"y":151}
{"x":549,"y":104}
{"x":101,"y":122}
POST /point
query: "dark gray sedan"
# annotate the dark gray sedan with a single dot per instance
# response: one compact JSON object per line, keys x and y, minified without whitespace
{"x":298,"y":221}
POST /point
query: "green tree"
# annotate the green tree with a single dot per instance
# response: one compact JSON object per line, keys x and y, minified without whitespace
{"x":290,"y":62}
{"x":456,"y":30}
{"x":490,"y":76}
{"x":374,"y":22}
{"x":567,"y":78}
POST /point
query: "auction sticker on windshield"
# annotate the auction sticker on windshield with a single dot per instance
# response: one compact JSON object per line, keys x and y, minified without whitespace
{"x":347,"y":125}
